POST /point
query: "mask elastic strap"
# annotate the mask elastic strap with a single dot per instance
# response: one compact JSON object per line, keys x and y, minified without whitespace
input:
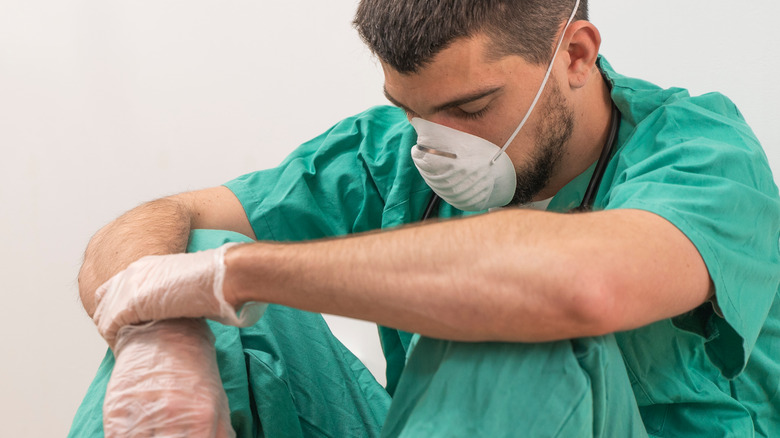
{"x":541,"y":88}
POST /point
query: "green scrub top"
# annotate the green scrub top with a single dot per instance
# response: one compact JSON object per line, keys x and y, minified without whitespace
{"x":692,"y":160}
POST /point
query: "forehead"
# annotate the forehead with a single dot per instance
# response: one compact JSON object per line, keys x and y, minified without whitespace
{"x":465,"y":66}
{"x":464,"y":58}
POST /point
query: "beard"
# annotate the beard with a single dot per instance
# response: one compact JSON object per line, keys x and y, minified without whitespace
{"x":555,"y":129}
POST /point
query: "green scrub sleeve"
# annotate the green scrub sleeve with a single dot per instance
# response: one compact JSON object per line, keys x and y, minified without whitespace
{"x":706,"y":173}
{"x":343,"y":181}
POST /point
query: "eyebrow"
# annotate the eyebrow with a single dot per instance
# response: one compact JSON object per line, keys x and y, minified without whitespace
{"x":451,"y":104}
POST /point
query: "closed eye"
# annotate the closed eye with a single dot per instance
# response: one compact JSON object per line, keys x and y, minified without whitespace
{"x":473,"y":115}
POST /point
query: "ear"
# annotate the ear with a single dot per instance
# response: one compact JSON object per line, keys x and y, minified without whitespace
{"x":582,"y":50}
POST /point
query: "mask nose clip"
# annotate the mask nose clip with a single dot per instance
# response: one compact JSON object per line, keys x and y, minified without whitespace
{"x":432,"y":151}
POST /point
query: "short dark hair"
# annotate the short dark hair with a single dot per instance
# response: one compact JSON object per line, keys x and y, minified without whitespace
{"x":407,"y":34}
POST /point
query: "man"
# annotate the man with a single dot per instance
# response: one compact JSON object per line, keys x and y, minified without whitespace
{"x":652,"y":315}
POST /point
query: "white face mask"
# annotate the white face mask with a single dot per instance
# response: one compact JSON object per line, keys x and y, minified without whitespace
{"x":469,"y":172}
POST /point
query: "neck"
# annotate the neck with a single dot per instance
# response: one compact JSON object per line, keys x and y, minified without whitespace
{"x":592,"y":112}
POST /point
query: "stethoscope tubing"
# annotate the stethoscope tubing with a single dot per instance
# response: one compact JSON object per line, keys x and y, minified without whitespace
{"x":601,"y":165}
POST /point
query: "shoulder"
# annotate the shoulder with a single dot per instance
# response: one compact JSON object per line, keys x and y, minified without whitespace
{"x":668,"y":125}
{"x":643,"y":105}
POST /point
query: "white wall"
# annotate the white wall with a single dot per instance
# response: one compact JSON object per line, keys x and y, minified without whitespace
{"x":106,"y":104}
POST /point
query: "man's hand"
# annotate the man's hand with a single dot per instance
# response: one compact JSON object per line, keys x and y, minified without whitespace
{"x":165,"y":383}
{"x":165,"y":287}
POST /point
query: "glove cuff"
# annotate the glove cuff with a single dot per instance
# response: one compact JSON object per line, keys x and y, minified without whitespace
{"x":249,"y":313}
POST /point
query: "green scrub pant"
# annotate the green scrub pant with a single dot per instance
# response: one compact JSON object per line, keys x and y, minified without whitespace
{"x":288,"y":376}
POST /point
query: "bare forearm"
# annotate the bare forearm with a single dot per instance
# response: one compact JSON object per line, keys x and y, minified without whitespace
{"x":464,"y":280}
{"x":515,"y":276}
{"x":157,"y":227}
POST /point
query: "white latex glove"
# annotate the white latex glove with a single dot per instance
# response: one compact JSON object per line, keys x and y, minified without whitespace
{"x":169,"y":286}
{"x":165,"y":383}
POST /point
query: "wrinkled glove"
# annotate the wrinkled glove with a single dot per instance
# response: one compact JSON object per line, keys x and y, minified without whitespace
{"x":169,"y":286}
{"x":165,"y":383}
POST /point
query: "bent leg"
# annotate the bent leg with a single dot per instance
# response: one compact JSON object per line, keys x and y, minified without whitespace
{"x":576,"y":388}
{"x":286,"y":376}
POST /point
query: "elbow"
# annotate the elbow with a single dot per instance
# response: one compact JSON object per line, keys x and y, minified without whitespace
{"x":594,"y":307}
{"x":86,"y":291}
{"x":88,"y":276}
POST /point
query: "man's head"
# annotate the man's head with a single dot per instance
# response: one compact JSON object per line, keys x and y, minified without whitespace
{"x":476,"y":66}
{"x":407,"y":34}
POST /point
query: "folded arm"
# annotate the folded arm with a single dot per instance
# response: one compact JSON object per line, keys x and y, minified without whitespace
{"x":155,"y":228}
{"x":512,"y":275}
{"x":145,"y":395}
